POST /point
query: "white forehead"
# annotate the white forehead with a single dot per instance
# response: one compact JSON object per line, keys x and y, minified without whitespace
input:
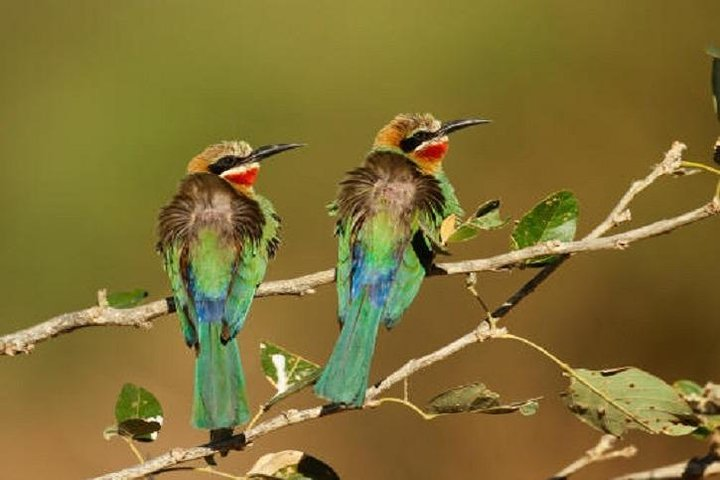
{"x":434,"y":125}
{"x":237,"y":148}
{"x":414,"y":122}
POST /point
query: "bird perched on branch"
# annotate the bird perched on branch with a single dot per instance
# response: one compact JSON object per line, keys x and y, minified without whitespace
{"x":216,"y":237}
{"x":389,"y":212}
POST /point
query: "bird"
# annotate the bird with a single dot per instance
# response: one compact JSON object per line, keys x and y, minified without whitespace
{"x":389,"y":212}
{"x":216,"y":236}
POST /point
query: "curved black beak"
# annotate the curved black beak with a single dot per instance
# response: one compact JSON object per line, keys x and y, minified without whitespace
{"x":266,"y":151}
{"x":455,"y":125}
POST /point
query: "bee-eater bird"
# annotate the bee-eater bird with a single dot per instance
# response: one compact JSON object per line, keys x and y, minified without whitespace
{"x":216,"y":237}
{"x":389,"y":212}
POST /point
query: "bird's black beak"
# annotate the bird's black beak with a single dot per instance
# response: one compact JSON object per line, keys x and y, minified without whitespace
{"x":455,"y":125}
{"x":266,"y":151}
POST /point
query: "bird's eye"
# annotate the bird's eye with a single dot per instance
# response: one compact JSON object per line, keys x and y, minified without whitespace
{"x":223,"y":163}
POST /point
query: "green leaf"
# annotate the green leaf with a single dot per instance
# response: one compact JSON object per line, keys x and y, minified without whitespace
{"x":291,"y":465}
{"x":687,"y":387}
{"x":138,"y":414}
{"x":127,"y":299}
{"x":616,"y":400}
{"x":287,"y":372}
{"x":486,"y":217}
{"x":553,"y":219}
{"x":477,"y":398}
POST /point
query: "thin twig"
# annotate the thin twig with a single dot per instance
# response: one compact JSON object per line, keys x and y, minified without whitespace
{"x":599,"y":453}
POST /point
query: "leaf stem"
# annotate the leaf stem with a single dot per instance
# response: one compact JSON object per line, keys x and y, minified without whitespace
{"x":700,"y":166}
{"x":134,"y":449}
{"x":257,"y":416}
{"x":410,"y":405}
{"x":564,"y":366}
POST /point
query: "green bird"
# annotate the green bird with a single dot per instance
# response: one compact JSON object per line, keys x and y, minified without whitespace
{"x":389,"y":212}
{"x":216,"y":237}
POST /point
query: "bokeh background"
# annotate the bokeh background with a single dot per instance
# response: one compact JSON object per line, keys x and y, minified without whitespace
{"x":103,"y":103}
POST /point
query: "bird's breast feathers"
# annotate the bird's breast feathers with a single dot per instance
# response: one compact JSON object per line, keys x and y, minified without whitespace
{"x":207,"y":201}
{"x":389,"y":184}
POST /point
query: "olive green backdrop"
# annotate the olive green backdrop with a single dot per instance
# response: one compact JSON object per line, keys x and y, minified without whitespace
{"x":103,"y":103}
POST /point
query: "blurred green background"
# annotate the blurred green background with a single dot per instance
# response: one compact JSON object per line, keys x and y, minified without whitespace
{"x":103,"y":103}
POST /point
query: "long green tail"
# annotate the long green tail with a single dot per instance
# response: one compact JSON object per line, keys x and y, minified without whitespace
{"x":345,"y":377}
{"x":220,"y":399}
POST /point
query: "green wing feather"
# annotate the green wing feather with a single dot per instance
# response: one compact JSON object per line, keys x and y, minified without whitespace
{"x":173,"y":260}
{"x":248,"y":275}
{"x":344,"y":264}
{"x":250,"y":269}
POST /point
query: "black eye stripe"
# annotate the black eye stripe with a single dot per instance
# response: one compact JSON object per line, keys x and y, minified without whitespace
{"x":409,"y":144}
{"x":224,"y":163}
{"x":415,"y":140}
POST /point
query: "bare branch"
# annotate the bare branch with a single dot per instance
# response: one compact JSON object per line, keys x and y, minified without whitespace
{"x":692,"y":469}
{"x":25,"y":340}
{"x":592,"y":242}
{"x":695,"y":468}
{"x":620,"y":213}
{"x":599,"y":453}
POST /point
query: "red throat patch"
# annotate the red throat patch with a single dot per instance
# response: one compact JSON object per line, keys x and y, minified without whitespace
{"x":433,"y":152}
{"x":245,"y":179}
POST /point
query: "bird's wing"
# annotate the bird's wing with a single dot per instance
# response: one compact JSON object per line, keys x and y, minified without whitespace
{"x":247,"y":275}
{"x":258,"y":244}
{"x":344,"y":264}
{"x":406,"y":282}
{"x":175,"y":257}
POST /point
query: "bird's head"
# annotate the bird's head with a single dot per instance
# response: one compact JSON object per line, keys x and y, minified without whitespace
{"x":420,"y":137}
{"x":236,"y":162}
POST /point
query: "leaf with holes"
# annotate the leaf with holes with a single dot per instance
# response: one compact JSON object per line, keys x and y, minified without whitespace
{"x":287,"y":372}
{"x":138,"y":414}
{"x":486,"y":217}
{"x":619,"y":399}
{"x":553,"y":219}
{"x":477,"y":398}
{"x":127,"y":299}
{"x":291,"y":465}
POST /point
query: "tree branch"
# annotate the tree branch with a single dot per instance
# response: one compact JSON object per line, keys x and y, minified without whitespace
{"x":592,"y":242}
{"x":695,"y":468}
{"x":25,"y":340}
{"x":599,"y":453}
